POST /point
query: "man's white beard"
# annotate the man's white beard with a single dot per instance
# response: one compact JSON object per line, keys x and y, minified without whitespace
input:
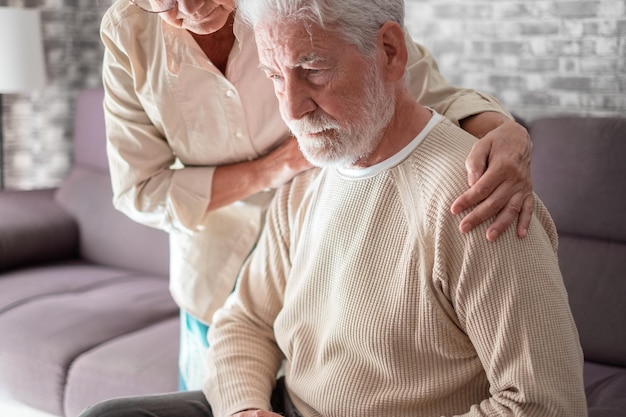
{"x":336,"y":145}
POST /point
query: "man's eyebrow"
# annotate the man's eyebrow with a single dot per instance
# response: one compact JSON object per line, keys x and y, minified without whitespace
{"x":310,"y":58}
{"x":305,"y":59}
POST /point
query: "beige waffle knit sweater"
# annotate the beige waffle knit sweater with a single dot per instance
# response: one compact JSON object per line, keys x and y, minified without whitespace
{"x":362,"y":281}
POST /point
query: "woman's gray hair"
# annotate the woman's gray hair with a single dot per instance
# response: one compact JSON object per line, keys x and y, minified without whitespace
{"x":357,"y":21}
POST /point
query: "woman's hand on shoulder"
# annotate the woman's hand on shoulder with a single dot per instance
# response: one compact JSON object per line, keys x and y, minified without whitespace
{"x":500,"y":180}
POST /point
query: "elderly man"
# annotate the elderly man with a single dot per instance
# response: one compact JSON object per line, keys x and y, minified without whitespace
{"x":361,"y":284}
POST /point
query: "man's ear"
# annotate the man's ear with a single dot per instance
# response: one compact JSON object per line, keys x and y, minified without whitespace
{"x":391,"y":42}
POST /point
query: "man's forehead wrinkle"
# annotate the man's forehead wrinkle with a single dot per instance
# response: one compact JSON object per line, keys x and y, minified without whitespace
{"x":265,"y":51}
{"x":292,"y":45}
{"x":270,"y":45}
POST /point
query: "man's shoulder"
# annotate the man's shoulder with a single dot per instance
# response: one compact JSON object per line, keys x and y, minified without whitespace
{"x":300,"y":184}
{"x":446,"y":134}
{"x":294,"y":191}
{"x":434,"y":173}
{"x":441,"y":156}
{"x":290,"y":203}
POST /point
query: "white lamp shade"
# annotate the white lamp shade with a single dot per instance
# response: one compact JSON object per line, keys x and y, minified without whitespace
{"x":22,"y":65}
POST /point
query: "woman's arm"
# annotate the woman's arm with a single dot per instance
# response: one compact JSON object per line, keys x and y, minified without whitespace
{"x":240,"y":180}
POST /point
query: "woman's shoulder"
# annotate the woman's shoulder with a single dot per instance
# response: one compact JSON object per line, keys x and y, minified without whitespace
{"x":124,"y":15}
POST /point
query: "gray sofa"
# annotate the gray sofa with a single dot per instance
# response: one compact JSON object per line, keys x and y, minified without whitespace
{"x":579,"y":171}
{"x":85,"y":312}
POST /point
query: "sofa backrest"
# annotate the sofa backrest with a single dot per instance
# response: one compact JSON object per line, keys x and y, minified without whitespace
{"x":579,"y":172}
{"x":89,"y":131}
{"x":107,"y":236}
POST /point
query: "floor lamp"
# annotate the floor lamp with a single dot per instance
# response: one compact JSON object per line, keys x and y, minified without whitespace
{"x":23,"y":65}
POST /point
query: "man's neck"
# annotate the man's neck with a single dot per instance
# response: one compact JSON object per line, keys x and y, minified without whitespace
{"x":409,"y":119}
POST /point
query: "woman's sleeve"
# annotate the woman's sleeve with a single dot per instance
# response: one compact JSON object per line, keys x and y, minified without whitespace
{"x":431,"y":89}
{"x":145,"y":186}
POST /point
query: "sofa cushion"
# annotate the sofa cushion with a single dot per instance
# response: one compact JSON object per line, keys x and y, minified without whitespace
{"x":605,"y":387}
{"x":107,"y":236}
{"x":28,"y":285}
{"x":579,"y":172}
{"x":50,"y":329}
{"x":139,"y":363}
{"x":595,"y":278}
{"x":34,"y":229}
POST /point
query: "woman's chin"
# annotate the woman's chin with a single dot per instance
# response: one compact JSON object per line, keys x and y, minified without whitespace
{"x":206,"y":25}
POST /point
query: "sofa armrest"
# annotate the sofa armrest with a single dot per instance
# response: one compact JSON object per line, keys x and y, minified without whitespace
{"x":34,"y":229}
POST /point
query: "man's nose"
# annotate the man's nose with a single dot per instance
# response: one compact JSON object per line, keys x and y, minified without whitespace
{"x":296,"y":100}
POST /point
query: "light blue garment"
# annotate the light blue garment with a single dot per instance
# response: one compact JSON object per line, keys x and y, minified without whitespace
{"x":192,"y":355}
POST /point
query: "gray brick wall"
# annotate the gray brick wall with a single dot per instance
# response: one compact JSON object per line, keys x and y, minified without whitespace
{"x":538,"y":57}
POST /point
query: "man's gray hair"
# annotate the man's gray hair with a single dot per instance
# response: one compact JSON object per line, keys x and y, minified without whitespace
{"x":357,"y":21}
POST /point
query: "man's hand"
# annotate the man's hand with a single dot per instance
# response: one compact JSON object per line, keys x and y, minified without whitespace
{"x":499,"y":176}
